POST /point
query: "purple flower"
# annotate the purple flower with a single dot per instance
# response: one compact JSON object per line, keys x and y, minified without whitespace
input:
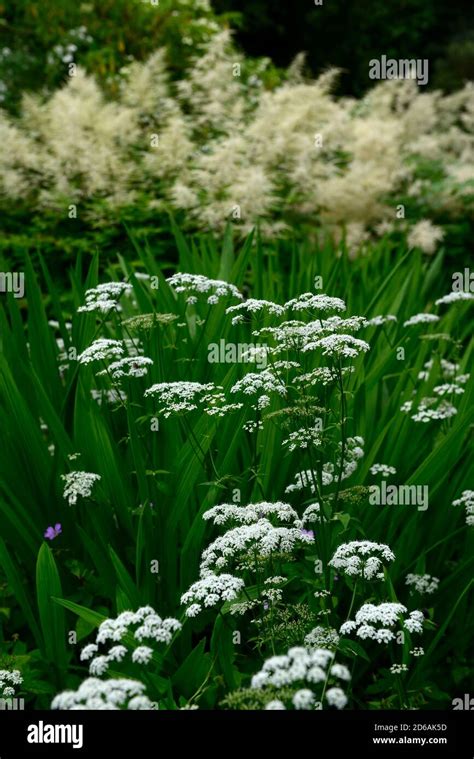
{"x":309,"y":533}
{"x":53,"y":532}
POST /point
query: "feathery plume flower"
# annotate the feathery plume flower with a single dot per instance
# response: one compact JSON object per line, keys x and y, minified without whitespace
{"x":78,"y":484}
{"x":362,"y":558}
{"x":110,"y":694}
{"x":425,"y":235}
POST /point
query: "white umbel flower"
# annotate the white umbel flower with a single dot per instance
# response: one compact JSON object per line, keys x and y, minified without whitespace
{"x":362,"y":558}
{"x":384,"y":469}
{"x":198,"y":283}
{"x":423,"y":584}
{"x":376,"y":622}
{"x":110,"y":694}
{"x":101,"y":349}
{"x":467,"y":499}
{"x":210,"y":591}
{"x":104,"y":297}
{"x":421,"y":319}
{"x":231,"y":512}
{"x":78,"y":484}
{"x":130,"y":366}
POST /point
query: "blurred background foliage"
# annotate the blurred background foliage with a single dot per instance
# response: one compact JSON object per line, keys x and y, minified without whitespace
{"x":348,"y":33}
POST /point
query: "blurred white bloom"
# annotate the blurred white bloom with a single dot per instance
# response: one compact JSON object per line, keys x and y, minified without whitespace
{"x":78,"y":484}
{"x":467,"y":499}
{"x":198,"y":283}
{"x":454,"y":297}
{"x":421,"y":319}
{"x":422,"y":583}
{"x":397,"y":669}
{"x":322,"y":637}
{"x":306,"y":667}
{"x":104,"y":694}
{"x":425,"y":235}
{"x":383,"y":469}
{"x":141,"y":655}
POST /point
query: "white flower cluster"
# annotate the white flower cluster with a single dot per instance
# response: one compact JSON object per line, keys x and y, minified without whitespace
{"x":261,"y":538}
{"x":382,"y":469}
{"x":182,"y":397}
{"x":252,"y":305}
{"x":303,"y":438}
{"x":448,"y":388}
{"x":97,"y":694}
{"x":320,"y":302}
{"x":422,"y":583}
{"x":231,"y":512}
{"x":148,"y":626}
{"x":467,"y":499}
{"x":306,"y":479}
{"x":78,"y":484}
{"x":374,"y":622}
{"x":198,"y":283}
{"x":322,"y":637}
{"x":209,"y":591}
{"x":101,"y":349}
{"x":454,"y":297}
{"x":428,"y":411}
{"x":398,"y":669}
{"x":362,"y":558}
{"x":130,"y":366}
{"x":421,"y":319}
{"x":304,"y":666}
{"x":379,"y":321}
{"x":322,"y":375}
{"x":338,"y":346}
{"x":104,"y":297}
{"x":312,"y":513}
{"x":8,"y":679}
{"x":417,"y":651}
{"x":259,"y":383}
